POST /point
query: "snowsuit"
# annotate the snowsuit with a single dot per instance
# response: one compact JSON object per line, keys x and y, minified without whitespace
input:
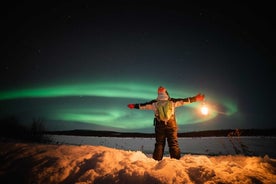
{"x":165,"y":130}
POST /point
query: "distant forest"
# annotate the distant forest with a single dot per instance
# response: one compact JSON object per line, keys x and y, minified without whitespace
{"x":11,"y":128}
{"x":207,"y":133}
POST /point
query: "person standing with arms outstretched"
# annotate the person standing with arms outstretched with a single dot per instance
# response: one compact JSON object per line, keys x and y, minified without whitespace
{"x":165,"y":121}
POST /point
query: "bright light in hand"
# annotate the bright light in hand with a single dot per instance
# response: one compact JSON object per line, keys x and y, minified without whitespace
{"x":204,"y":110}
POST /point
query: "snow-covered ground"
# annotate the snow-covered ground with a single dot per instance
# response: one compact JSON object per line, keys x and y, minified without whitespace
{"x":252,"y":146}
{"x":41,"y":163}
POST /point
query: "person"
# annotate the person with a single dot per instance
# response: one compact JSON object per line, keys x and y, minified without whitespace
{"x":165,"y":121}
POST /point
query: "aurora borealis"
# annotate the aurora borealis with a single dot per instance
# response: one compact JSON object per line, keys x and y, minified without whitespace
{"x":77,"y":65}
{"x":102,"y":104}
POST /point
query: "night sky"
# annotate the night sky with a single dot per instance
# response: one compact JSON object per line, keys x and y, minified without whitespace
{"x":76,"y":65}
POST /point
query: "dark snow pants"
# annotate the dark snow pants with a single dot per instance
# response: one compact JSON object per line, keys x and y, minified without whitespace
{"x":165,"y":131}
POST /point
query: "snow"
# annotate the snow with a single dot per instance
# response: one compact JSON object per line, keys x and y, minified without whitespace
{"x":247,"y":145}
{"x":49,"y":163}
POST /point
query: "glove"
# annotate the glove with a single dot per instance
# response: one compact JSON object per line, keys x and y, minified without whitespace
{"x":199,"y":97}
{"x":131,"y":106}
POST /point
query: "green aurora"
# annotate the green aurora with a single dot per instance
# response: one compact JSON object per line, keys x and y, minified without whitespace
{"x":105,"y":104}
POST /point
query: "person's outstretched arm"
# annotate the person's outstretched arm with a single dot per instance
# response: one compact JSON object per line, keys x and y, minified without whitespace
{"x":142,"y":106}
{"x":183,"y":101}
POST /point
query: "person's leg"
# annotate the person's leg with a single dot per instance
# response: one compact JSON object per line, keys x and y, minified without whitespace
{"x":160,"y":138}
{"x":174,"y":149}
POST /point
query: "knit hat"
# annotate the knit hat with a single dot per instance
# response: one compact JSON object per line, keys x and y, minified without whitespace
{"x":162,"y":93}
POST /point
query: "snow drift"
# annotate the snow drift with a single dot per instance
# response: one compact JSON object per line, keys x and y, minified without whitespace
{"x":39,"y":163}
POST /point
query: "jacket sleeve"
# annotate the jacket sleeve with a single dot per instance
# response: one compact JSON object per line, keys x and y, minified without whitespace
{"x":145,"y":106}
{"x":183,"y":101}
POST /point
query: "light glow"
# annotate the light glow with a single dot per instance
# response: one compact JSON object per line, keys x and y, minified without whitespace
{"x":204,"y":110}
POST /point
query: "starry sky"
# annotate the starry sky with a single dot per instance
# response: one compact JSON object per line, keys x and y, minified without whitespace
{"x":76,"y":65}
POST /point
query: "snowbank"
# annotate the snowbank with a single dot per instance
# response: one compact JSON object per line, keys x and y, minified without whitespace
{"x":37,"y":163}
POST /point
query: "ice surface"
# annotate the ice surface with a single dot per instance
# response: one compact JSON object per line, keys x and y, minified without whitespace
{"x":246,"y":145}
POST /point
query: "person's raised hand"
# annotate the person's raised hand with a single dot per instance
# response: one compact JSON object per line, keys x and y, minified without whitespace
{"x":131,"y":106}
{"x":200,"y":97}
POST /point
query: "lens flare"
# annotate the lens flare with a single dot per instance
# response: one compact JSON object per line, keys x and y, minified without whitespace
{"x":204,"y":110}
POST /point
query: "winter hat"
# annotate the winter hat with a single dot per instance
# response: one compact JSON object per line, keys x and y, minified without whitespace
{"x":162,"y":93}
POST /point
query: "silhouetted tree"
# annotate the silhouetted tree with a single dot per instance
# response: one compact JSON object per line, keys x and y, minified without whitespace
{"x":37,"y":130}
{"x":11,"y":128}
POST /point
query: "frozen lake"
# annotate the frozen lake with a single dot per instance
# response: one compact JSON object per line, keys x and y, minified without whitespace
{"x":247,"y":145}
